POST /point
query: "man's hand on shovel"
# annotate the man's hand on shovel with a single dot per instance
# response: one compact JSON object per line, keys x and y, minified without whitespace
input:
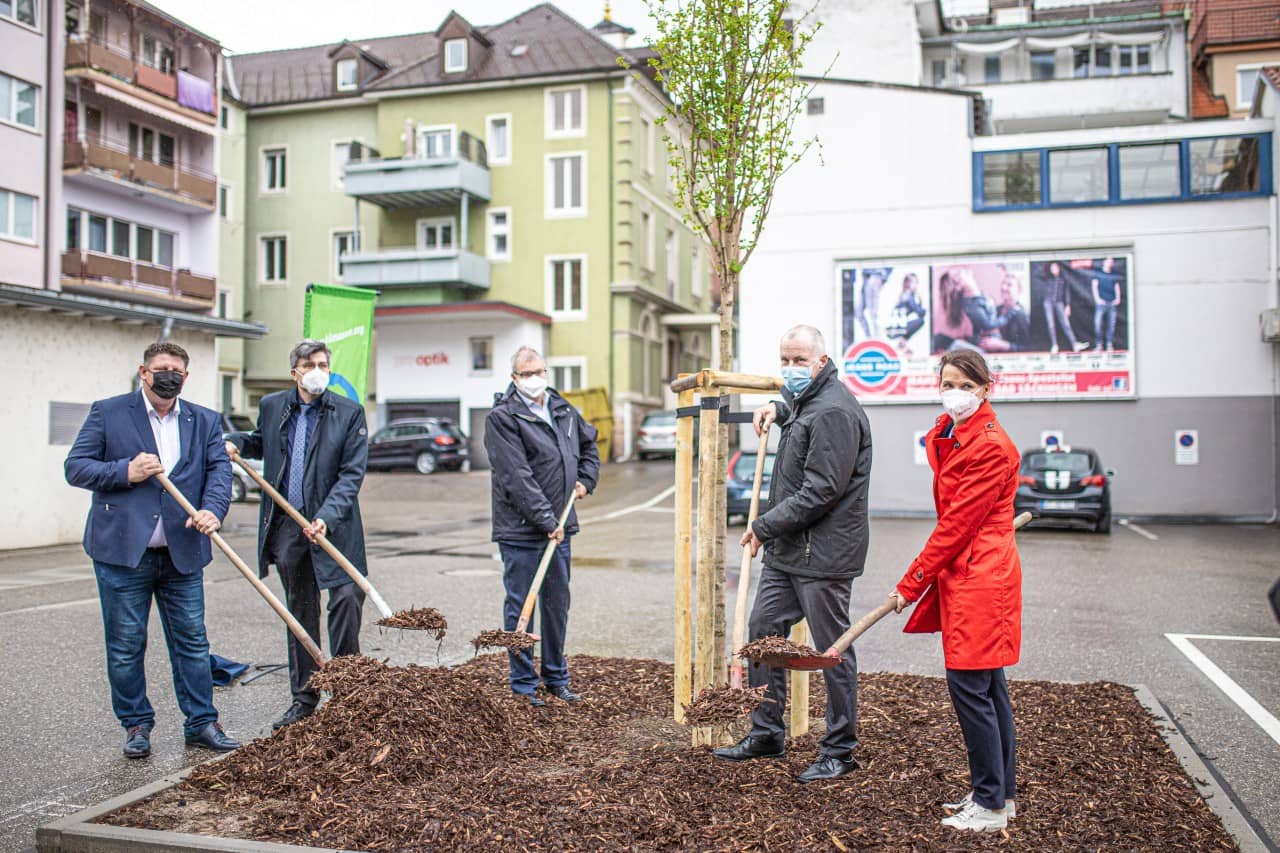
{"x":750,"y":538}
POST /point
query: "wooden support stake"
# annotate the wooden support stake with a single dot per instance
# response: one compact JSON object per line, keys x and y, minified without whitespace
{"x":709,"y":532}
{"x":684,"y":560}
{"x":798,"y":693}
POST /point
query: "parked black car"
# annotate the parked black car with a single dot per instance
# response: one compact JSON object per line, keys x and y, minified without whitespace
{"x":425,"y":444}
{"x":1065,"y":484}
{"x":742,"y":473}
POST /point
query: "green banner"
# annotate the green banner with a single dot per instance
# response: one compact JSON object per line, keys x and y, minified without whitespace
{"x":342,"y":317}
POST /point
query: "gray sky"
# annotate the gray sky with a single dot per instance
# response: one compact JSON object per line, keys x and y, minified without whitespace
{"x":247,"y":26}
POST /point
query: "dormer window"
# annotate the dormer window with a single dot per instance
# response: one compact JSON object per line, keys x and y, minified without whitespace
{"x":455,"y":55}
{"x":346,"y":74}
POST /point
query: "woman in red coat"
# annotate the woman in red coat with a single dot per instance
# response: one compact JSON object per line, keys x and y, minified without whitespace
{"x":968,"y":581}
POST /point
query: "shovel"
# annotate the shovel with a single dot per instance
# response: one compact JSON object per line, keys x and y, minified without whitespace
{"x":329,"y":548}
{"x":832,"y":656}
{"x":252,"y":577}
{"x":744,"y":574}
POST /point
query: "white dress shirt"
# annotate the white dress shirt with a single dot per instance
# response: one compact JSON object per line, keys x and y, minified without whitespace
{"x":169,"y":443}
{"x":542,"y":410}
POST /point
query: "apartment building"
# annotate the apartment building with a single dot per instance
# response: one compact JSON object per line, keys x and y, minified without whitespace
{"x":108,"y":227}
{"x":1048,"y":170}
{"x":497,"y":185}
{"x":1231,"y":42}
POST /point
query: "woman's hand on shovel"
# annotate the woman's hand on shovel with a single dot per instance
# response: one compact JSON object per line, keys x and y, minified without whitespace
{"x":900,"y":602}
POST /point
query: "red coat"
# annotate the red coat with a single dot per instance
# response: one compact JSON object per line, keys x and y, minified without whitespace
{"x":970,"y":566}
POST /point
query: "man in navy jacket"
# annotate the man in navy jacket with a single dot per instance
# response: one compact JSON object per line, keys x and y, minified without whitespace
{"x":540,"y":452}
{"x":143,"y":544}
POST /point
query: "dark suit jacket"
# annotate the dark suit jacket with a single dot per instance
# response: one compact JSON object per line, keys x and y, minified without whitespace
{"x":123,"y":514}
{"x":336,"y":458}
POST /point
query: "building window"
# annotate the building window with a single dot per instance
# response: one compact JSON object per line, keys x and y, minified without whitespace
{"x":121,"y":234}
{"x":274,"y":256}
{"x":224,"y":117}
{"x":482,"y":355}
{"x":499,"y":236}
{"x":18,"y":100}
{"x":17,"y":216}
{"x":1102,"y":60}
{"x":156,"y":54}
{"x":565,"y":179}
{"x":97,"y":233}
{"x":455,"y":55}
{"x":345,"y":70}
{"x":339,"y":157}
{"x":567,"y":373}
{"x":146,"y":143}
{"x":1150,"y":171}
{"x":991,"y":69}
{"x":815,"y":106}
{"x":695,"y":263}
{"x":274,"y":170}
{"x":566,"y":111}
{"x":498,"y":140}
{"x":74,"y":225}
{"x":1080,"y":61}
{"x":672,"y":245}
{"x":1078,"y":175}
{"x":1246,"y":82}
{"x":1134,"y":59}
{"x":435,"y":143}
{"x":22,"y":11}
{"x":1043,"y":63}
{"x":224,"y":202}
{"x":1224,"y":165}
{"x":565,"y":286}
{"x":343,"y":242}
{"x":938,"y":71}
{"x":436,"y":235}
{"x":1011,"y":178}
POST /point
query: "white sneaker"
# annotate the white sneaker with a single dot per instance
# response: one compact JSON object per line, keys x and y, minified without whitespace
{"x":1010,"y":807}
{"x":1081,"y":346}
{"x":1053,"y":350}
{"x":975,"y":818}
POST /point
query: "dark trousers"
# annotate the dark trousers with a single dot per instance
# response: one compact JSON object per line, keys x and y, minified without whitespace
{"x":981,"y":700}
{"x":290,"y":550}
{"x":126,"y":593}
{"x":519,"y":565}
{"x":781,"y":601}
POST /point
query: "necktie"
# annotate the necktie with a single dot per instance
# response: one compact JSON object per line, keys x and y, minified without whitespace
{"x":298,"y":458}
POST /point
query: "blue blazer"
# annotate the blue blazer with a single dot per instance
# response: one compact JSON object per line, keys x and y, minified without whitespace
{"x":123,"y":514}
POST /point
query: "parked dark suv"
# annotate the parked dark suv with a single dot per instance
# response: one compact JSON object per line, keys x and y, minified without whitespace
{"x":1066,"y":484}
{"x":425,"y":444}
{"x":742,"y":475}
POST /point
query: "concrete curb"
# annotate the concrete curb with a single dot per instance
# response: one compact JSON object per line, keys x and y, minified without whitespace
{"x":78,"y":833}
{"x":1206,"y":781}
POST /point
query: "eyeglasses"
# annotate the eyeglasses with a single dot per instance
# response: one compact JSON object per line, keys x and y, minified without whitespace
{"x":304,"y":366}
{"x":529,"y":374}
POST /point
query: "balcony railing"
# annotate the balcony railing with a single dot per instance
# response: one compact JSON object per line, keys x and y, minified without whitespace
{"x":97,"y":152}
{"x":422,"y":180}
{"x":100,"y":273}
{"x":188,"y":90}
{"x":410,"y":266}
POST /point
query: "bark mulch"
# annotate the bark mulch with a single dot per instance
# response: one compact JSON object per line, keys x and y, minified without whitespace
{"x":775,"y":646}
{"x":516,"y":641}
{"x":417,"y":619}
{"x":423,"y":758}
{"x":720,"y":705}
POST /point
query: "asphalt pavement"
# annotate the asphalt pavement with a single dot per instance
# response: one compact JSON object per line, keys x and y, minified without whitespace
{"x":1095,"y":608}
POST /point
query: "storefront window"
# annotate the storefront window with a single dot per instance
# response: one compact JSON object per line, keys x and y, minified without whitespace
{"x":1224,"y":165}
{"x":1011,"y":178}
{"x":1150,"y":171}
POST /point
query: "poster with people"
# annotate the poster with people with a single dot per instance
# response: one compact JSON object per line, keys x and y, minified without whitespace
{"x":1051,"y":326}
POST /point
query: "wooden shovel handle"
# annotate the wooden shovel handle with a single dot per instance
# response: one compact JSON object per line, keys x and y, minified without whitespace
{"x":526,"y":613}
{"x":744,"y":573}
{"x":329,"y":548}
{"x":251,"y":576}
{"x":857,"y":629}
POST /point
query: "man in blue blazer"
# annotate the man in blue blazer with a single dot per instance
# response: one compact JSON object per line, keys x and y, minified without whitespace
{"x":143,"y":544}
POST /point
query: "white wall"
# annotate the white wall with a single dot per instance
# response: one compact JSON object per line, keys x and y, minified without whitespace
{"x":69,"y":360}
{"x":863,"y":40}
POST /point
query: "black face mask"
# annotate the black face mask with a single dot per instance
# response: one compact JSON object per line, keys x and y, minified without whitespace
{"x":167,"y":384}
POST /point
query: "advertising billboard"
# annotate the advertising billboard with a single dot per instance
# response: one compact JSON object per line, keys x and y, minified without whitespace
{"x":1052,"y":326}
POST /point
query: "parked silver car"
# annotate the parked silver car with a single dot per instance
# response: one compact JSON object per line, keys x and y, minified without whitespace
{"x":657,"y":435}
{"x":241,"y":483}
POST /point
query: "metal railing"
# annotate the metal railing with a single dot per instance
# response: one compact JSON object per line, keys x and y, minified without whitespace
{"x":140,"y":277}
{"x":92,"y":52}
{"x":96,"y":151}
{"x":466,"y":147}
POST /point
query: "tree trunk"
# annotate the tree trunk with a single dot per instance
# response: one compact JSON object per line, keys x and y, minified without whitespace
{"x":728,"y":297}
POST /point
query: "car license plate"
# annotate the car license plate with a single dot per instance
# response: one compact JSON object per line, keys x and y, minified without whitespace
{"x":1057,"y":504}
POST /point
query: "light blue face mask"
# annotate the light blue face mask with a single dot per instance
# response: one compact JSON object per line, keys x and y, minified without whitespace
{"x":796,"y":379}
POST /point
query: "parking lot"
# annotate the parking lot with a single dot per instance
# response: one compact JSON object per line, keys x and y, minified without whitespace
{"x":1148,"y":604}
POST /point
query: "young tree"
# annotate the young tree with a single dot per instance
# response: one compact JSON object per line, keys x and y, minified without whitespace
{"x":731,"y":72}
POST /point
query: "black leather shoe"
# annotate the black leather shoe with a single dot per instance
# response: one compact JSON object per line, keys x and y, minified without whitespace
{"x":751,"y":747}
{"x":564,"y":694}
{"x":297,"y":711}
{"x":137,"y":742}
{"x":529,"y":699}
{"x":827,"y":767}
{"x":213,"y":737}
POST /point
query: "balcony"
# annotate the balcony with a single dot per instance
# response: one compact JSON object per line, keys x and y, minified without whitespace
{"x":408,"y":266}
{"x":1084,"y":102}
{"x":112,"y":161}
{"x":188,"y":91}
{"x":100,"y":274}
{"x":427,"y":181}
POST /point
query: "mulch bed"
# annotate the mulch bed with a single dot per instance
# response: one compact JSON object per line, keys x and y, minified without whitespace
{"x":417,"y":619}
{"x":516,"y":641}
{"x":422,"y":758}
{"x":720,"y":705}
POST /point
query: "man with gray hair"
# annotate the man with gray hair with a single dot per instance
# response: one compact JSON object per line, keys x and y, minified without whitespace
{"x":815,"y":535}
{"x":314,"y":446}
{"x":541,"y":451}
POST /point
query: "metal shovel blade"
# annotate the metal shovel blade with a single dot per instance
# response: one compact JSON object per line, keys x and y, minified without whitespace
{"x":812,"y":663}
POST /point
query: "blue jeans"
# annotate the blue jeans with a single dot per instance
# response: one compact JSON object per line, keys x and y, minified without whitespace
{"x":1100,"y":311}
{"x":126,"y":594}
{"x":520,"y":564}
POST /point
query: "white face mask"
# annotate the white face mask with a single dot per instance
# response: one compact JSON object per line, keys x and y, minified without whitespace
{"x":960,"y":404}
{"x":532,"y":386}
{"x":314,"y":381}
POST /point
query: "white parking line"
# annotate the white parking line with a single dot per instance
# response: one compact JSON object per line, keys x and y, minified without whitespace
{"x":1141,"y":531}
{"x":1260,"y":715}
{"x":618,"y":513}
